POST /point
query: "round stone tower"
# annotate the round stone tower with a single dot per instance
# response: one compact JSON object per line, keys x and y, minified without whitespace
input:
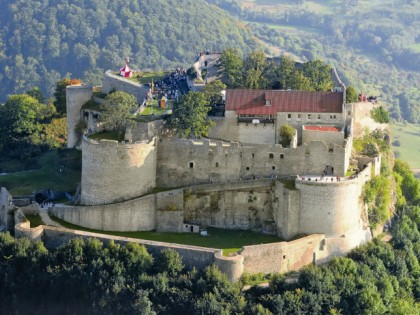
{"x":114,"y":172}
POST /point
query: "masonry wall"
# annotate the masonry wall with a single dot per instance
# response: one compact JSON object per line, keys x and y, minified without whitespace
{"x":76,"y":96}
{"x":114,"y":172}
{"x":286,"y":205}
{"x":133,"y":215}
{"x":114,"y":82}
{"x":235,"y":206}
{"x":332,"y":208}
{"x":282,"y":257}
{"x":329,"y":137}
{"x":187,"y":162}
{"x":6,"y":216}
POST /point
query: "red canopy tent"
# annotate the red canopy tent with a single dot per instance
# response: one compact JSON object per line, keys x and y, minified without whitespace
{"x":126,"y":71}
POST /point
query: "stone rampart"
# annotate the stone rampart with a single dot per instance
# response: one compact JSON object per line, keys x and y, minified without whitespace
{"x":190,"y":162}
{"x":23,"y":227}
{"x":76,"y":96}
{"x":282,"y":257}
{"x":114,"y":172}
{"x":330,"y":206}
{"x":133,"y":215}
{"x":243,"y":205}
{"x":112,"y":82}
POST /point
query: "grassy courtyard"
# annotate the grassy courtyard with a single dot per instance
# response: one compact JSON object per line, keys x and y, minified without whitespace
{"x":230,"y":241}
{"x":35,"y":220}
{"x":58,"y":170}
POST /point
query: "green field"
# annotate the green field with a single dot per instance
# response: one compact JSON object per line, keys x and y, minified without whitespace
{"x":409,"y":138}
{"x":59,"y":170}
{"x":147,"y":77}
{"x":230,"y":241}
{"x":415,"y":47}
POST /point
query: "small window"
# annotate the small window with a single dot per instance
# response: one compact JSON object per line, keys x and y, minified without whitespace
{"x":271,"y":155}
{"x":273,"y":168}
{"x":253,"y":155}
{"x":309,"y":116}
{"x":349,"y":113}
{"x":335,"y":117}
{"x":217,"y":164}
{"x":284,"y":256}
{"x":299,"y":117}
{"x":330,"y":150}
{"x":191,"y":165}
{"x":319,"y":117}
{"x":247,"y":168}
{"x":282,"y":156}
{"x":289,"y":116}
{"x":331,"y":116}
{"x":267,"y":102}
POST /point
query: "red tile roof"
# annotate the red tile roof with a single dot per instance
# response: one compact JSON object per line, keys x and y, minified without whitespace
{"x":253,"y":102}
{"x":321,"y":128}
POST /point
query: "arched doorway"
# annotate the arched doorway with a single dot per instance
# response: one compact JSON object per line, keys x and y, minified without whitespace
{"x":329,"y":170}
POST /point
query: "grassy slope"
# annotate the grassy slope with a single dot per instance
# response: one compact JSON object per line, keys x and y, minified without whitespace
{"x":48,"y":176}
{"x":409,"y":137}
{"x":229,"y":240}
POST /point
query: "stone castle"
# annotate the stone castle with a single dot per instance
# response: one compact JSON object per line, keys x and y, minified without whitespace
{"x":239,"y":178}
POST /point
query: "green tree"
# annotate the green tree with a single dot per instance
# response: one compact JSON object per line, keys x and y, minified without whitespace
{"x":20,"y":117}
{"x":170,"y":261}
{"x":117,"y":110}
{"x":189,"y":115}
{"x":319,"y":74}
{"x":351,"y":95}
{"x":255,"y":70}
{"x":287,"y":133}
{"x":285,"y":70}
{"x":213,"y":92}
{"x":60,"y":93}
{"x":233,"y":66}
{"x":37,"y":94}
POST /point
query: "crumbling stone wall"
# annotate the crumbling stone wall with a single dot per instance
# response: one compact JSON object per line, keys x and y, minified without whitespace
{"x":189,"y":162}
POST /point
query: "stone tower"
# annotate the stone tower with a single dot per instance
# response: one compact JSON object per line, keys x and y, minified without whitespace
{"x":76,"y":96}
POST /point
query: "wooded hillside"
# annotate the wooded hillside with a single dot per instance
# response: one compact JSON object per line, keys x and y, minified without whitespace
{"x":43,"y":40}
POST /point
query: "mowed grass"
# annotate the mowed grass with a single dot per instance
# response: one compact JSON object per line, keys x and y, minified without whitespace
{"x":147,"y":77}
{"x":59,"y":170}
{"x":153,"y":108}
{"x":108,"y":135}
{"x":409,"y":138}
{"x":35,"y":220}
{"x":230,"y":241}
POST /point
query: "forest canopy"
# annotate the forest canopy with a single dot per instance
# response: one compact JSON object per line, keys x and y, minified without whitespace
{"x":42,"y":41}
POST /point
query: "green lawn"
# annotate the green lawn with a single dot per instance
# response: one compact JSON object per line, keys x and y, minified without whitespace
{"x":35,"y":220}
{"x":409,"y":137}
{"x":153,"y":108}
{"x":108,"y":135}
{"x":147,"y":77}
{"x":230,"y":241}
{"x":48,"y":175}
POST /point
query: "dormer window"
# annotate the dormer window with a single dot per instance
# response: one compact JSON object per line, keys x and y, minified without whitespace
{"x":267,"y":103}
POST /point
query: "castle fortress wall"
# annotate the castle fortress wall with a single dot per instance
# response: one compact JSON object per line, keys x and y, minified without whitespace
{"x":5,"y":218}
{"x":331,"y":208}
{"x":188,"y":162}
{"x":114,"y":172}
{"x":228,"y":128}
{"x":282,"y":257}
{"x":133,"y":215}
{"x":112,"y":82}
{"x":76,"y":96}
{"x":232,"y":206}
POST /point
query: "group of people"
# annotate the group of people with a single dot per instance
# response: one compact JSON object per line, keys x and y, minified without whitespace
{"x":172,"y":85}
